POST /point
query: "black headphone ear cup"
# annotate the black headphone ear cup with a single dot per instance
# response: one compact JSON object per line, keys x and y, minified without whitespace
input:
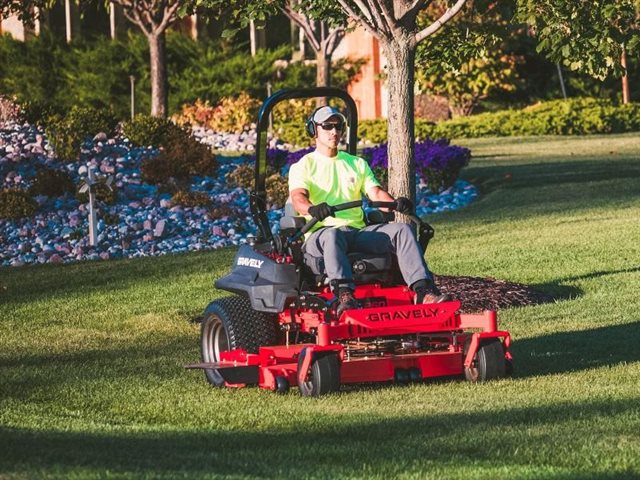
{"x":311,"y":128}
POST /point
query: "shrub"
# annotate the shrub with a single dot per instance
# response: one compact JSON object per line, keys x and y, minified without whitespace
{"x":293,"y":133}
{"x":276,"y":185}
{"x":222,"y":211}
{"x":181,"y":157}
{"x":296,"y":110}
{"x":199,"y":114}
{"x":191,"y":199}
{"x":146,"y":130}
{"x":66,"y":134}
{"x":103,"y":193}
{"x":232,"y":114}
{"x":437,"y":163}
{"x":579,"y":116}
{"x":15,"y":204}
{"x":9,"y":110}
{"x":51,"y":183}
{"x":242,"y":176}
{"x":277,"y":190}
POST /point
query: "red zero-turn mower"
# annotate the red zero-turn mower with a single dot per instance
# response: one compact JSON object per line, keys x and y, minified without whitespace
{"x":280,"y":328}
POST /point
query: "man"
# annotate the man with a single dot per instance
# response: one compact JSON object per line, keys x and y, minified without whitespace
{"x":327,"y":177}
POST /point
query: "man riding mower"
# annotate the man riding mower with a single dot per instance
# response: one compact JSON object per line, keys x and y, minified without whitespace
{"x":354,"y":301}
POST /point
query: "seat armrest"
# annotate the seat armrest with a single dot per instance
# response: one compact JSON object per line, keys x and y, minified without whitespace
{"x":292,"y":223}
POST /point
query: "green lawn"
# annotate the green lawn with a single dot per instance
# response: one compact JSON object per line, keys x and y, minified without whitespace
{"x":92,"y":383}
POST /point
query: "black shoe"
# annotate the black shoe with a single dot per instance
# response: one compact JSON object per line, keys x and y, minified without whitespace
{"x":435,"y":298}
{"x":346,"y":301}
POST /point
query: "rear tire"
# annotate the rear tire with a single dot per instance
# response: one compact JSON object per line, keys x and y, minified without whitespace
{"x":489,"y":362}
{"x":231,"y":323}
{"x":324,"y":374}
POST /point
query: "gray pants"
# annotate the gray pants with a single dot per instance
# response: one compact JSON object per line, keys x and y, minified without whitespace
{"x":333,"y":244}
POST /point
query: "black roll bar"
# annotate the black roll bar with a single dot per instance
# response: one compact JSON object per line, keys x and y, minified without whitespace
{"x":258,"y":197}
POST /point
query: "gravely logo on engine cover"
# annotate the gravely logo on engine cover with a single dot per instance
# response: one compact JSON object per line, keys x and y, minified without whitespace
{"x":249,"y":262}
{"x":413,"y":314}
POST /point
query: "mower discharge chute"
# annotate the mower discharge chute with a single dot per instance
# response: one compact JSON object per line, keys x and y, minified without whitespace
{"x":280,"y":327}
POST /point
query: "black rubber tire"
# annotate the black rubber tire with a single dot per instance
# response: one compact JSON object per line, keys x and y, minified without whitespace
{"x":231,"y":323}
{"x":489,"y":362}
{"x":324,"y":375}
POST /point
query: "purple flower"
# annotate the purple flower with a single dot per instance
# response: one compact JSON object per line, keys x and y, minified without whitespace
{"x":437,"y":163}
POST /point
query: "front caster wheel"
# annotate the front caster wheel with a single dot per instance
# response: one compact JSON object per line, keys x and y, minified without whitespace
{"x":489,"y":362}
{"x":282,"y":385}
{"x":324,"y":374}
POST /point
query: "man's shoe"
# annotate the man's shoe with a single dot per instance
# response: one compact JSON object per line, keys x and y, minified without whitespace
{"x":436,"y":298}
{"x":346,"y":301}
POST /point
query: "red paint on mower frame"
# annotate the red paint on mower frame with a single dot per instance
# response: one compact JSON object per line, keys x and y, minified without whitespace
{"x":448,"y":333}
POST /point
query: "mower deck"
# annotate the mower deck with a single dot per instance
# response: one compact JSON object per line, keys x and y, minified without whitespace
{"x":448,"y":345}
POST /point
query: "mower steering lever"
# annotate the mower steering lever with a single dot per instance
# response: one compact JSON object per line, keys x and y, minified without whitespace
{"x":311,"y":223}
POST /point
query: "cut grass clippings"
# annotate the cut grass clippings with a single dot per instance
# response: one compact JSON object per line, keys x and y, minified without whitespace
{"x":92,"y":383}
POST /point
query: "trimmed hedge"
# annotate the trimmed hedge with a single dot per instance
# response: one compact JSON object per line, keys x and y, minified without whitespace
{"x":578,"y":116}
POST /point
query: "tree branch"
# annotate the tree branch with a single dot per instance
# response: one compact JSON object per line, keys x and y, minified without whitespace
{"x":388,"y":15}
{"x":438,"y":24}
{"x":169,"y":16}
{"x":364,"y":17}
{"x":332,"y":40}
{"x":414,"y":9}
{"x":304,"y":23}
{"x":130,"y":12}
{"x":373,"y":7}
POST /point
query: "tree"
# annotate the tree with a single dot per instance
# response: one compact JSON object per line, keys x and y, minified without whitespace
{"x":152,"y":17}
{"x":467,"y":61}
{"x":394,"y":23}
{"x":323,"y":23}
{"x":587,"y":36}
{"x":473,"y":81}
{"x":324,"y":27}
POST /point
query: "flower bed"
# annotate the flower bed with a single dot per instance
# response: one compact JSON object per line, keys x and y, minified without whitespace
{"x":142,"y":221}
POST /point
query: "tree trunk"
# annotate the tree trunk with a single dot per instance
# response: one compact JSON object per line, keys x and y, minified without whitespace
{"x":323,"y":69}
{"x":400,"y":123}
{"x":158,"y":60}
{"x":323,"y":74}
{"x":625,"y":78}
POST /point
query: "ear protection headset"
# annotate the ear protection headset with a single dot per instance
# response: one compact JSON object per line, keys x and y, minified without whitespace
{"x":310,"y":125}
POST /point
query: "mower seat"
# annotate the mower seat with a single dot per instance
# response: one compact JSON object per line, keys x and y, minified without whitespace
{"x":366,"y":267}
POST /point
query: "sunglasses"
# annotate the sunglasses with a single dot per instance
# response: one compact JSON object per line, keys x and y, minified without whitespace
{"x":331,"y":125}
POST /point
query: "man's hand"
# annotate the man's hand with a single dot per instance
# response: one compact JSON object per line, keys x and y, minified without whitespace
{"x":404,"y":205}
{"x":321,"y":211}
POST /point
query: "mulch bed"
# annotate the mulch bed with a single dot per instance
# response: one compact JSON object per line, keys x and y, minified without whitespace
{"x":478,"y":294}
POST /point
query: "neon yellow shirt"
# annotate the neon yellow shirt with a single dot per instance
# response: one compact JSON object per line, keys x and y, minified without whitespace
{"x":334,"y":180}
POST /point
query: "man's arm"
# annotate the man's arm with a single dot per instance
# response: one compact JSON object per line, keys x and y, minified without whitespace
{"x":300,"y":200}
{"x":377,"y":194}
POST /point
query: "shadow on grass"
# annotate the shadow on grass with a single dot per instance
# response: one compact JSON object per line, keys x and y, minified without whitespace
{"x":32,"y":283}
{"x":542,"y":174}
{"x":558,"y":289}
{"x":29,"y":373}
{"x":351,"y":446}
{"x":565,"y":352}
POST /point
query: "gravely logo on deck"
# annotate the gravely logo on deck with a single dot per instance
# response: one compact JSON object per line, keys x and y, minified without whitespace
{"x":414,"y":314}
{"x":249,"y":262}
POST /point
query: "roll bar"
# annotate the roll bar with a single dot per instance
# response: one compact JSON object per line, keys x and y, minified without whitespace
{"x":258,"y":197}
